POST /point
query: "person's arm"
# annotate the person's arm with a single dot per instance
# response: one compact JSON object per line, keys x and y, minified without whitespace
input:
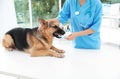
{"x":97,"y":18}
{"x":95,"y":27}
{"x":63,"y":15}
{"x":55,"y":21}
{"x":81,"y":33}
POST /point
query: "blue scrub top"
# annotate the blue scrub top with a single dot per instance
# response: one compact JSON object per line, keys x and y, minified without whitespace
{"x":89,"y":16}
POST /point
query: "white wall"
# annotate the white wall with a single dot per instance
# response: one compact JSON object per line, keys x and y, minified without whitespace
{"x":115,"y":9}
{"x":110,"y":23}
{"x":7,"y":16}
{"x":111,"y":9}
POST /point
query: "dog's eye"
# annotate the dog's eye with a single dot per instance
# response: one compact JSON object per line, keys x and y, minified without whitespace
{"x":55,"y":27}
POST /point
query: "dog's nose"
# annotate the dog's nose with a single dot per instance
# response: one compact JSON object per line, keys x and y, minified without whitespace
{"x":63,"y":32}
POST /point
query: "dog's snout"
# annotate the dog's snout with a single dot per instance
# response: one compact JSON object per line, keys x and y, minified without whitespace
{"x":62,"y":32}
{"x":58,"y":33}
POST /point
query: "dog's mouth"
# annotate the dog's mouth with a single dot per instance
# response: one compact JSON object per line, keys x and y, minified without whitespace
{"x":58,"y":33}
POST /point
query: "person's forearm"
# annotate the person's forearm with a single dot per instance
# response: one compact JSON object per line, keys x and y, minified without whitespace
{"x":85,"y":32}
{"x":81,"y":33}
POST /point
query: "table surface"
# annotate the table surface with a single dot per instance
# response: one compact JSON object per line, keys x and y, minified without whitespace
{"x":77,"y":64}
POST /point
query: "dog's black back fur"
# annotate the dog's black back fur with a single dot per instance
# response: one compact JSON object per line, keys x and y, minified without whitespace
{"x":19,"y":36}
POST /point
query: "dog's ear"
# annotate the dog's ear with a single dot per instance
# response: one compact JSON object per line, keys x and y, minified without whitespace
{"x":42,"y":21}
{"x":43,"y":24}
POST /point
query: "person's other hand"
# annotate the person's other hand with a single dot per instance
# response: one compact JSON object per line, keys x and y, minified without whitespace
{"x":53,"y":21}
{"x":72,"y":36}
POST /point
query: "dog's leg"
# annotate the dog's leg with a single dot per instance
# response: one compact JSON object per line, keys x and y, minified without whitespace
{"x":36,"y":53}
{"x":57,"y":50}
{"x":8,"y":42}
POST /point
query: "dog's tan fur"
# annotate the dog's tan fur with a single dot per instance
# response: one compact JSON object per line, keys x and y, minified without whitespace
{"x":8,"y":42}
{"x":38,"y":46}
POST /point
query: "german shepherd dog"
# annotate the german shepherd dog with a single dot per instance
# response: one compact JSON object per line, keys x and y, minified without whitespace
{"x":37,"y":43}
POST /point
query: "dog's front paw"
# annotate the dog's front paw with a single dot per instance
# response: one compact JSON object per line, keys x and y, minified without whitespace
{"x":60,"y":51}
{"x":59,"y":55}
{"x":57,"y":50}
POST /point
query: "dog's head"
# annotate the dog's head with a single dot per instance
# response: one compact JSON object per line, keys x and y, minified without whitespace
{"x":49,"y":28}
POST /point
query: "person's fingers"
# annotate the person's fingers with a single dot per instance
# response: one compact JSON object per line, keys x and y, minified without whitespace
{"x":69,"y":37}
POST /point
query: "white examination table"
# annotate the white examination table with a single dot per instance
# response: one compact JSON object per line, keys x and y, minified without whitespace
{"x":77,"y":64}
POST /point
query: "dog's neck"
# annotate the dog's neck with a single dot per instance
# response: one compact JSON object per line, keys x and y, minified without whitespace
{"x":40,"y":35}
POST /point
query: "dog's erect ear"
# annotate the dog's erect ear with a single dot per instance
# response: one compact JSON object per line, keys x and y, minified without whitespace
{"x":43,"y":24}
{"x":41,"y":21}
